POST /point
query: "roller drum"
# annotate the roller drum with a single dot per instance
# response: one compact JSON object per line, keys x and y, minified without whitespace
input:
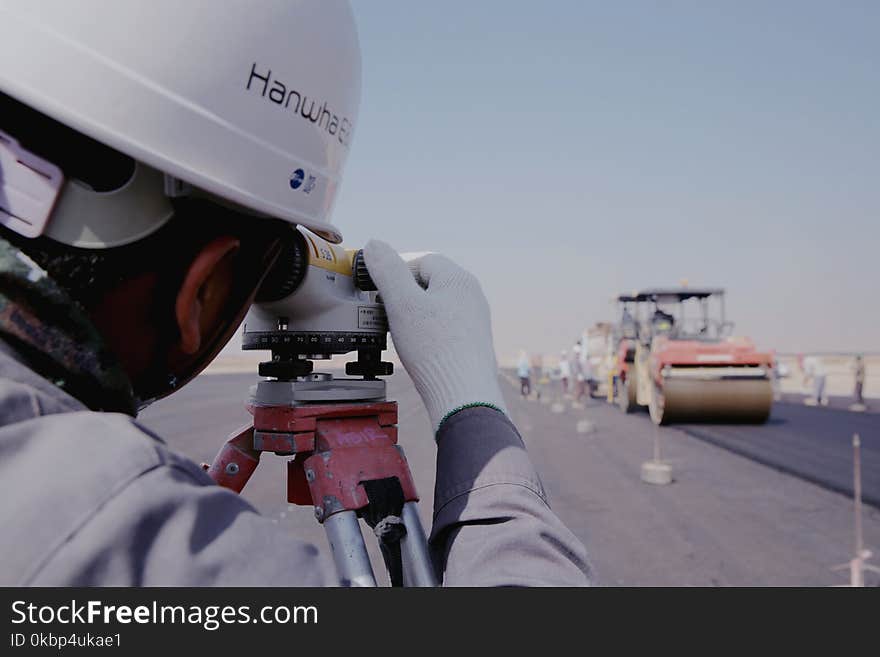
{"x":721,"y":400}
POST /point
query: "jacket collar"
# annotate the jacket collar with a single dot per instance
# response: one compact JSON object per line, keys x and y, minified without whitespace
{"x":51,"y":334}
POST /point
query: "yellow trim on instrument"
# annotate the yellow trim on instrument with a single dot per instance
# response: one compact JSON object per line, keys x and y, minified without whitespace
{"x":331,"y":257}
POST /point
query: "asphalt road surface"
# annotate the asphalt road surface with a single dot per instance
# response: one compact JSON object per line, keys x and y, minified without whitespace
{"x":725,"y":520}
{"x":872,"y":405}
{"x":812,"y":443}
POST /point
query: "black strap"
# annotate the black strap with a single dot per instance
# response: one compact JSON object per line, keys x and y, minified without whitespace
{"x":384,"y":516}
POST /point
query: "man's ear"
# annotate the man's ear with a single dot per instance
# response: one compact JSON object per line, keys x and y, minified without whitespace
{"x":204,"y":281}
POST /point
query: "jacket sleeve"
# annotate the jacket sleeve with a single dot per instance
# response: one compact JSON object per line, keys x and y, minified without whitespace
{"x":492,"y":524}
{"x":171,"y":526}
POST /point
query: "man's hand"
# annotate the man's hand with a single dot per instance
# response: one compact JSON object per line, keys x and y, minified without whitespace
{"x":441,"y":329}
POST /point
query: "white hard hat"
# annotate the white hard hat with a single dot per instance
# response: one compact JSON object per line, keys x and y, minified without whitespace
{"x":251,"y":103}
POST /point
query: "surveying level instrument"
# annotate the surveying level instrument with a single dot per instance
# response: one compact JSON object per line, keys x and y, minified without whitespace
{"x":319,"y":301}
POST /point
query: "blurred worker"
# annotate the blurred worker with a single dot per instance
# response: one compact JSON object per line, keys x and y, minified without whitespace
{"x":814,"y":376}
{"x":662,"y":321}
{"x":538,"y":374}
{"x":775,"y":377}
{"x":152,"y":173}
{"x":564,"y":371}
{"x":859,"y":376}
{"x":587,"y":367}
{"x":577,"y":373}
{"x":523,"y":371}
{"x":585,"y":348}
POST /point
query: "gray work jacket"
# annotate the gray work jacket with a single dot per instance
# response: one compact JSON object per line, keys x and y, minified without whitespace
{"x":96,"y":499}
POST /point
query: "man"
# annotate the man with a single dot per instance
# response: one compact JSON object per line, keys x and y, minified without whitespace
{"x":538,"y":372}
{"x":662,"y":321}
{"x":154,"y":160}
{"x":577,"y":372}
{"x":776,"y":374}
{"x":814,"y":375}
{"x":587,"y":365}
{"x":523,"y":371}
{"x":564,"y":372}
{"x":859,"y":376}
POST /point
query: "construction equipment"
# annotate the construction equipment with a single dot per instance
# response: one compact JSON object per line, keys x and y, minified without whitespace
{"x":624,"y":385}
{"x":685,"y":365}
{"x":341,"y":432}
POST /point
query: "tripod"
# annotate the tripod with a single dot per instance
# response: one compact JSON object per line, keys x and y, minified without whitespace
{"x":342,"y":434}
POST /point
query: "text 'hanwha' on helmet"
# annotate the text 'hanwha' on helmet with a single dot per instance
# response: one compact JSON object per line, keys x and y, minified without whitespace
{"x":252,"y":104}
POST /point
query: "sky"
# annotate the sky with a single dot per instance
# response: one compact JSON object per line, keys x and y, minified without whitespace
{"x":566,"y":151}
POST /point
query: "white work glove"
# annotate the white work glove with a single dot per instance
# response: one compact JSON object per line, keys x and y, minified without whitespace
{"x":441,"y":329}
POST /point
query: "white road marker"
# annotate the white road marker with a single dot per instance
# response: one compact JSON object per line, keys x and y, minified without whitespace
{"x":655,"y":471}
{"x":585,"y":426}
{"x":857,"y":565}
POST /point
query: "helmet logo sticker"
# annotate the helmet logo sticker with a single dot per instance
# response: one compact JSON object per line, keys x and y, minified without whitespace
{"x":296,"y":178}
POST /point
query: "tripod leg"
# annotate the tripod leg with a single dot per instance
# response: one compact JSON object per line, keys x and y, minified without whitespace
{"x":349,"y":552}
{"x":418,"y":570}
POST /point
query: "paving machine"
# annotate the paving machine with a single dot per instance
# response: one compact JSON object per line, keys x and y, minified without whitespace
{"x":686,"y":366}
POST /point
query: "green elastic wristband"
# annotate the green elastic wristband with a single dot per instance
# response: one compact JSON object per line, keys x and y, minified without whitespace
{"x":461,"y":408}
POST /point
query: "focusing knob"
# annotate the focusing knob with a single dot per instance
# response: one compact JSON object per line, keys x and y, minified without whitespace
{"x":288,"y":272}
{"x":362,"y":280}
